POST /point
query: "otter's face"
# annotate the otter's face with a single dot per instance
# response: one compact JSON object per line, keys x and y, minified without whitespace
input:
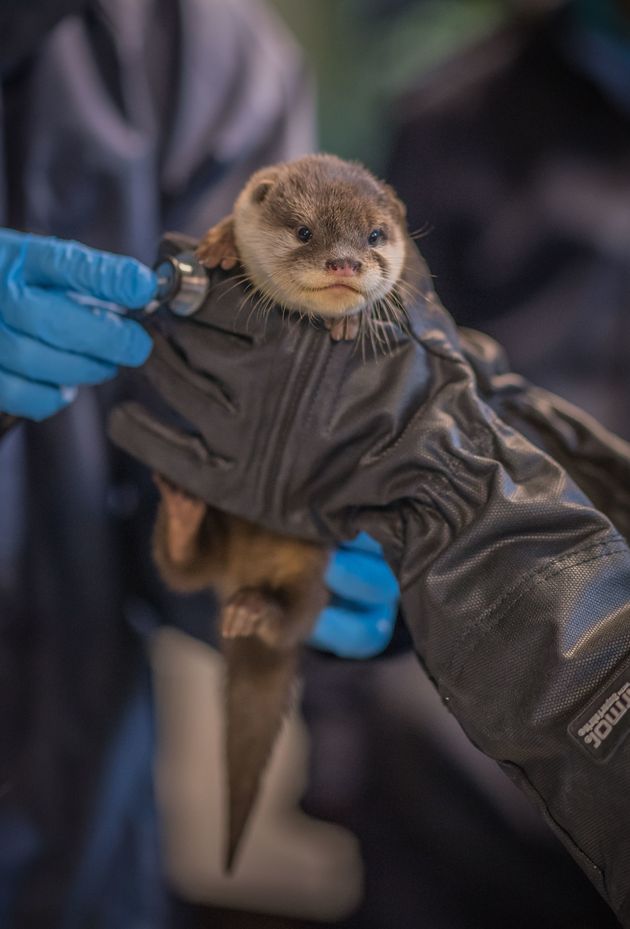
{"x":321,"y":236}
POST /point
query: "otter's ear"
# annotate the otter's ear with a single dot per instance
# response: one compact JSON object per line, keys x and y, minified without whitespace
{"x":259,"y":184}
{"x":261,"y":189}
{"x":395,"y":203}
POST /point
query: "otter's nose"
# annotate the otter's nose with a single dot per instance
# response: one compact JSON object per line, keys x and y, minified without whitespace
{"x":343,"y":267}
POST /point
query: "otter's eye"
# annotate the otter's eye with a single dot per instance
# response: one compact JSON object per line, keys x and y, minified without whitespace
{"x":375,"y":236}
{"x":304,"y":234}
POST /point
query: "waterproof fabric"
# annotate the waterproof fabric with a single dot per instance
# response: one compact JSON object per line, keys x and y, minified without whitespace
{"x":597,"y":459}
{"x":131,"y":118}
{"x":515,"y":588}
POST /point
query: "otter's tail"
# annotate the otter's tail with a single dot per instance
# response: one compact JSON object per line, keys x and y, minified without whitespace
{"x":258,"y":688}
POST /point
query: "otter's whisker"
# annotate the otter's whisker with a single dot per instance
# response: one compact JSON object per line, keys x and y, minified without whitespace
{"x":408,"y":290}
{"x":237,"y":282}
{"x":422,"y":231}
{"x":383,"y":326}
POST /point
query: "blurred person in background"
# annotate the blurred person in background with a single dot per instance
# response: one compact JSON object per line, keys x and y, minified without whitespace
{"x":117,"y":121}
{"x":514,"y":160}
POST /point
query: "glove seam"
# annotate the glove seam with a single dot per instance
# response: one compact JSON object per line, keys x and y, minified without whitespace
{"x":455,"y":356}
{"x":566,"y":837}
{"x":494,"y":614}
{"x":323,"y":378}
{"x":190,"y":445}
{"x":190,"y":377}
{"x":305,"y":362}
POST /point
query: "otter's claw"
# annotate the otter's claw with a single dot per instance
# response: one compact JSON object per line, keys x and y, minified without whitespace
{"x":253,"y":612}
{"x":218,"y":248}
{"x":184,"y":515}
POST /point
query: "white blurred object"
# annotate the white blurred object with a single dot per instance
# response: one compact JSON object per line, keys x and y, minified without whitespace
{"x":289,"y":864}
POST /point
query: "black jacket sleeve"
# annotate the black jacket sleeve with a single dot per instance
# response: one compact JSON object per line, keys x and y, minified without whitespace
{"x":515,"y":588}
{"x":597,"y":460}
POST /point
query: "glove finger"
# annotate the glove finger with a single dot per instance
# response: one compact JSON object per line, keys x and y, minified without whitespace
{"x":184,"y":389}
{"x":483,"y":353}
{"x":69,"y":265}
{"x":19,"y":354}
{"x":363,"y":577}
{"x":350,"y":634}
{"x":364,"y":542}
{"x":56,"y":319}
{"x":182,"y":458}
{"x":21,"y":397}
{"x":217,"y":360}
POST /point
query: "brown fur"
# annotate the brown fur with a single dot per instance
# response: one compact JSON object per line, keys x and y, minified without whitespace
{"x":271,"y":588}
{"x":341,"y":203}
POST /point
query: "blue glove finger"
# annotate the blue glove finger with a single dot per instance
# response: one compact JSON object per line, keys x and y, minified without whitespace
{"x":65,"y":265}
{"x":22,"y":397}
{"x":354,"y":634}
{"x":361,"y":617}
{"x":34,"y":360}
{"x":361,"y":576}
{"x":363,"y":542}
{"x":62,"y":323}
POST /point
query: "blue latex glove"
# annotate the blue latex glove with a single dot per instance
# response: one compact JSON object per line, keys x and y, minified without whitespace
{"x":360,"y":619}
{"x":55,"y":331}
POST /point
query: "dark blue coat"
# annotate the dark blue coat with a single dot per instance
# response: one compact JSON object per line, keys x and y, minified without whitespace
{"x":124,"y":120}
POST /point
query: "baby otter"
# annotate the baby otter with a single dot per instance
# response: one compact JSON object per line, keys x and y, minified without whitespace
{"x":319,"y":236}
{"x":322,"y":237}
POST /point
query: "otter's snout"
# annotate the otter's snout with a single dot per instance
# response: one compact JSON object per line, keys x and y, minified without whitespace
{"x":343,"y":267}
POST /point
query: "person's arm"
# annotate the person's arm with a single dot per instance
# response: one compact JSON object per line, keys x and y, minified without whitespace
{"x":360,"y":620}
{"x":515,"y":588}
{"x":245,"y":98}
{"x":56,"y":331}
{"x":361,"y":617}
{"x":597,"y":460}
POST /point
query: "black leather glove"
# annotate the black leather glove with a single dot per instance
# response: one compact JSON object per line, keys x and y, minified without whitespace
{"x":597,"y":460}
{"x":515,"y":588}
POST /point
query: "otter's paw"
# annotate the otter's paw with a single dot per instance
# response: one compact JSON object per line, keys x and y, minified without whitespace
{"x":253,"y":612}
{"x":184,"y":515}
{"x":218,"y":247}
{"x":345,"y":329}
